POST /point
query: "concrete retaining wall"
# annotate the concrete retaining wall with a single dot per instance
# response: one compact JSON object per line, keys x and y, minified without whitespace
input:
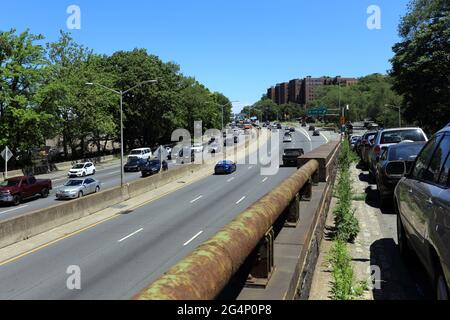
{"x":33,"y":223}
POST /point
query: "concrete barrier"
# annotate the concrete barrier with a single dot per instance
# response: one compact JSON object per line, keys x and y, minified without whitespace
{"x":33,"y":223}
{"x":12,"y":174}
{"x":326,"y":155}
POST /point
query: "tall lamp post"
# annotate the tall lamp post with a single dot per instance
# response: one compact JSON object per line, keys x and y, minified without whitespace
{"x":399,"y":113}
{"x":121,"y":94}
{"x":222,"y":106}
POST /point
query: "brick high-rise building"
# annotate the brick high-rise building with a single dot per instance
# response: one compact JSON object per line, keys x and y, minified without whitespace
{"x":284,"y":93}
{"x":271,"y":93}
{"x":304,"y":91}
{"x":295,"y":88}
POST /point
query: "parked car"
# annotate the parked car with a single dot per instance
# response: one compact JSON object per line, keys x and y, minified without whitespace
{"x":390,"y":167}
{"x":82,"y":170}
{"x":366,"y":144}
{"x":224,"y":167}
{"x":353,"y":141}
{"x":134,"y":165}
{"x":292,"y":129}
{"x":141,"y":153}
{"x":150,"y":168}
{"x":14,"y":190}
{"x":316,"y":133}
{"x":291,"y":155}
{"x":422,"y":200}
{"x":77,"y":188}
{"x":388,"y":137}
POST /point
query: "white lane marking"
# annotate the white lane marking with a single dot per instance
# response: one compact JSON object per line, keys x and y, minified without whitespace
{"x":192,"y":239}
{"x":323,"y":136}
{"x":265,"y":179}
{"x":196,"y":199}
{"x":231,"y":179}
{"x":111,"y":173}
{"x":10,"y":210}
{"x":242,"y":199}
{"x":129,"y":236}
{"x":250,"y":168}
{"x":303,"y":131}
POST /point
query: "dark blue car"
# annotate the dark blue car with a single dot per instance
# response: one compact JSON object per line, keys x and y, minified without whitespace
{"x":225,"y":167}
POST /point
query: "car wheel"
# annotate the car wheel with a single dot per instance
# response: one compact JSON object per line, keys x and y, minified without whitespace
{"x":97,"y":189}
{"x":93,"y":172}
{"x":403,"y":245}
{"x":84,"y":174}
{"x":44,"y":193}
{"x":80,"y":194}
{"x":17,"y":200}
{"x":441,"y":285}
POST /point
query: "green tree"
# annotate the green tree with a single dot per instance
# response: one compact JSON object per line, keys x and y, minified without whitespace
{"x":83,"y":114}
{"x":23,"y":125}
{"x":421,"y":65}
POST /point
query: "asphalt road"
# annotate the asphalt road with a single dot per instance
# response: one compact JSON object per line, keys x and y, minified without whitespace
{"x":109,"y":177}
{"x":120,"y":257}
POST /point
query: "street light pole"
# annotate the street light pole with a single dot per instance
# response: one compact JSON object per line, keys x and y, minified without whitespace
{"x":121,"y":94}
{"x":399,"y":113}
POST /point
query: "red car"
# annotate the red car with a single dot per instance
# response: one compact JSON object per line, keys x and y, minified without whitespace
{"x":14,"y":190}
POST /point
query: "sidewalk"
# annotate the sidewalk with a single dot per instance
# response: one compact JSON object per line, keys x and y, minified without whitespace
{"x":376,"y":246}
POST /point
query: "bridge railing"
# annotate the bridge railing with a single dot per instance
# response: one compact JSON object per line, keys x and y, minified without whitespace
{"x":204,"y":273}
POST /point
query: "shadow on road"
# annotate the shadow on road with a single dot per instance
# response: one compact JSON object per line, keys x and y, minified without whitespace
{"x":400,"y":280}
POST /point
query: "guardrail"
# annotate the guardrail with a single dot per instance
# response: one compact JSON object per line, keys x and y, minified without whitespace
{"x":205,"y":272}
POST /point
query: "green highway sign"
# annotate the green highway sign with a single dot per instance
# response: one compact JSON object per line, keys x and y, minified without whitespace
{"x":320,"y":111}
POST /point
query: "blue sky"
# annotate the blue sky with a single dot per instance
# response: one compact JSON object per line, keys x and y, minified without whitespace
{"x":238,"y":47}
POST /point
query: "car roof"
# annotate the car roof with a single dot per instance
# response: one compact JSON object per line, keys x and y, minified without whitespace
{"x":406,"y":144}
{"x":446,"y":129}
{"x":140,"y":149}
{"x":400,"y":129}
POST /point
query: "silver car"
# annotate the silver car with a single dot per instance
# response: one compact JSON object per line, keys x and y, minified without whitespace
{"x":77,"y":188}
{"x":422,"y":201}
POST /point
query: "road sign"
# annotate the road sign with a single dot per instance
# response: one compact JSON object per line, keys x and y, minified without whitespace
{"x":7,"y":154}
{"x":319,"y":111}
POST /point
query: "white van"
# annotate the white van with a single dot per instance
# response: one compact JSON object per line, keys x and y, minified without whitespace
{"x":142,"y":153}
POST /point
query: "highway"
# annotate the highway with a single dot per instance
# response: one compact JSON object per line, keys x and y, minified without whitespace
{"x":123,"y":255}
{"x":109,"y":177}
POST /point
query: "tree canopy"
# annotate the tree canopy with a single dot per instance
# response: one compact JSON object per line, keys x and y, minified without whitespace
{"x":44,"y":93}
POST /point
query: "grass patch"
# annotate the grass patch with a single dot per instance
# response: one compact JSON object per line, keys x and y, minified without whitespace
{"x":344,"y":284}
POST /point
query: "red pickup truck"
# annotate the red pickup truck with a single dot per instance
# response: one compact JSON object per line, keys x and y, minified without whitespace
{"x":16,"y":189}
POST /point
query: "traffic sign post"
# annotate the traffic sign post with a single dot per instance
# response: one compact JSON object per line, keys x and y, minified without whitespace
{"x":7,"y":155}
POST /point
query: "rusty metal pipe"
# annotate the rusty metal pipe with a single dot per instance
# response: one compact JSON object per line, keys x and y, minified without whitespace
{"x":206,"y":271}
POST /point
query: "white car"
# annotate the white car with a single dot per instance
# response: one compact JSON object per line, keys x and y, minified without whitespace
{"x":197,"y":147}
{"x":82,"y":170}
{"x":287,"y":139}
{"x":141,"y":153}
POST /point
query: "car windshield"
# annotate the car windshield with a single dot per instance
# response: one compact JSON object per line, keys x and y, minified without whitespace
{"x":79,"y":166}
{"x":402,"y":135}
{"x":133,"y":161}
{"x":224,"y":162}
{"x":136,"y":152}
{"x":154,"y":163}
{"x":405,"y":152}
{"x":9,"y":183}
{"x":73,"y":183}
